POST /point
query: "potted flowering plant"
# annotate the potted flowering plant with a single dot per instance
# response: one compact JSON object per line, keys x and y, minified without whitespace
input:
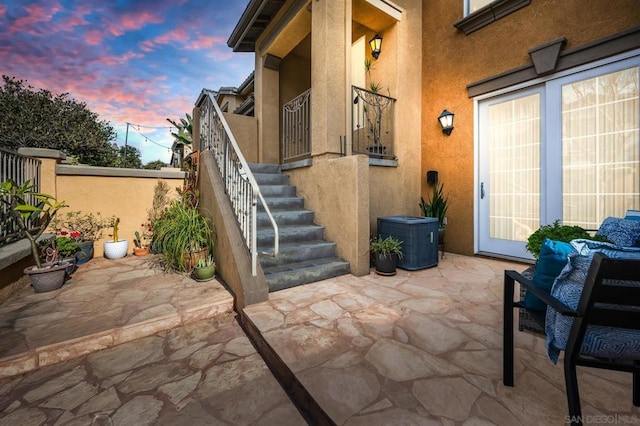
{"x":83,"y":228}
{"x":143,"y":239}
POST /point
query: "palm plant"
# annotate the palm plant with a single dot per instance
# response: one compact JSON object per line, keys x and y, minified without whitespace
{"x":185,"y":130}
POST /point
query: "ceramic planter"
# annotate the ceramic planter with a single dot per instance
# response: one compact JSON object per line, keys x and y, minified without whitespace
{"x":204,"y":273}
{"x":386,"y":265}
{"x":85,"y":253}
{"x":116,"y":250}
{"x":47,"y":278}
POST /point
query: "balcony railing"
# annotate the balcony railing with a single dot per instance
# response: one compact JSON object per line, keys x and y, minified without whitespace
{"x":372,"y":123}
{"x":239,"y":183}
{"x":296,"y":128}
{"x":20,"y":168}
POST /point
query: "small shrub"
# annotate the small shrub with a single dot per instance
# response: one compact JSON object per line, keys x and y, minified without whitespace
{"x":558,"y":232}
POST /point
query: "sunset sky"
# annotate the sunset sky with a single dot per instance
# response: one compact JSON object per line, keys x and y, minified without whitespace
{"x":136,"y":61}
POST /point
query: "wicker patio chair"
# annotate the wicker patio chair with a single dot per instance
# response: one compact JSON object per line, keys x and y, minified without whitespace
{"x":609,"y":303}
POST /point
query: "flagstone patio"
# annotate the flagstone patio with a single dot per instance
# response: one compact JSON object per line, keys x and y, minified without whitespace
{"x":423,"y":347}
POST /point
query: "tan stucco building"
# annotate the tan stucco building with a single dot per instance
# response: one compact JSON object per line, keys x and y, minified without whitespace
{"x":356,"y":155}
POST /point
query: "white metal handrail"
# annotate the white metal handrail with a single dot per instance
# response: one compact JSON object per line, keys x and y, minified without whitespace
{"x":239,"y":183}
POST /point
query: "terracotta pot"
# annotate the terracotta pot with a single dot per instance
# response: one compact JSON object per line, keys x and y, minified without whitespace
{"x":191,"y":258}
{"x":140,"y":251}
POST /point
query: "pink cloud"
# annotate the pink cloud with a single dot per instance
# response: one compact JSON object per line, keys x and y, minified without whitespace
{"x":36,"y":14}
{"x":93,"y":37}
{"x":132,"y":21}
{"x":3,"y":9}
{"x":206,"y":42}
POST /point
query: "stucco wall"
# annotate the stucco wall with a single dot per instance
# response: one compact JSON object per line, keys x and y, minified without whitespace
{"x":451,"y":60}
{"x":128,"y":198}
{"x":245,"y":130}
{"x":338,"y":192}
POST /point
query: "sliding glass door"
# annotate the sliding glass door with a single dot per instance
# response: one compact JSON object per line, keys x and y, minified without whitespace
{"x":568,"y":150}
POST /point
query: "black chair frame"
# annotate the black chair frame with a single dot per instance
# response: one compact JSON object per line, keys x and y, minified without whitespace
{"x":601,"y":303}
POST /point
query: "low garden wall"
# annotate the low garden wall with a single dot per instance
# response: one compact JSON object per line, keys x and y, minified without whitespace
{"x":125,"y":193}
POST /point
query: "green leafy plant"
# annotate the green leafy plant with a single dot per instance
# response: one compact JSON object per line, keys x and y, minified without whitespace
{"x":558,"y":232}
{"x":180,"y":232}
{"x":66,"y":246}
{"x":436,"y":206}
{"x":387,"y":246}
{"x":185,"y":130}
{"x":205,"y":262}
{"x":27,"y":204}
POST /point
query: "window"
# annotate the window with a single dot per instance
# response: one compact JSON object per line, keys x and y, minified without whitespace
{"x":479,"y":13}
{"x":471,"y":6}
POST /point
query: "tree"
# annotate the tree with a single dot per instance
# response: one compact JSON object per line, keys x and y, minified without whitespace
{"x":185,"y":130}
{"x":133,"y":160}
{"x":40,"y":119}
{"x":155,"y":165}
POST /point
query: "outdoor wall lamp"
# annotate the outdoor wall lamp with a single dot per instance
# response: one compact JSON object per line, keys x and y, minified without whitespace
{"x":446,"y":122}
{"x":376,"y":45}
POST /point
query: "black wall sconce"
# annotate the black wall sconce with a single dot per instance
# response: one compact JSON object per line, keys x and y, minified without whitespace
{"x":376,"y":45}
{"x":446,"y":122}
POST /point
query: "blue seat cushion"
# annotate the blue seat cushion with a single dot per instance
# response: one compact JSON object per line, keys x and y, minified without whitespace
{"x":621,"y":232}
{"x":553,"y":257}
{"x":603,"y":342}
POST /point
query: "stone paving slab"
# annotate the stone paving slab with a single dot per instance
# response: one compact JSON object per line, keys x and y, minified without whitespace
{"x":204,"y":373}
{"x":424,"y":348}
{"x":106,"y":303}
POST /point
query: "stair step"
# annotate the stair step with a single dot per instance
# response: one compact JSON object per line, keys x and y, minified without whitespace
{"x":299,"y":252}
{"x":271,"y":179}
{"x":286,"y":217}
{"x":282,"y":203}
{"x":293,"y":274}
{"x":264,"y":168}
{"x":277,"y":191}
{"x":290,"y":234}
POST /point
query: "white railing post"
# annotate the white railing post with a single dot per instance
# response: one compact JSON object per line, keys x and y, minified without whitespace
{"x":240,"y":184}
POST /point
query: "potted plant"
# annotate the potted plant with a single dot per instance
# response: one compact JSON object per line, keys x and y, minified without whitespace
{"x":115,"y":249}
{"x":183,"y":236}
{"x":387,"y":251}
{"x":142,"y":240}
{"x":33,"y":211}
{"x":205,"y":269}
{"x":436,"y":207}
{"x":84,"y":228}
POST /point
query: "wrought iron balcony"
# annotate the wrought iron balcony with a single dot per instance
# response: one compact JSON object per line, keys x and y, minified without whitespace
{"x":296,"y":128}
{"x":372,"y":123}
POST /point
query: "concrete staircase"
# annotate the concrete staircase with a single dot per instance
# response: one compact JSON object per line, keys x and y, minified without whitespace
{"x":304,"y":254}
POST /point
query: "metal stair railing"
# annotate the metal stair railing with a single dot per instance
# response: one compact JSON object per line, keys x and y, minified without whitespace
{"x":239,"y":183}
